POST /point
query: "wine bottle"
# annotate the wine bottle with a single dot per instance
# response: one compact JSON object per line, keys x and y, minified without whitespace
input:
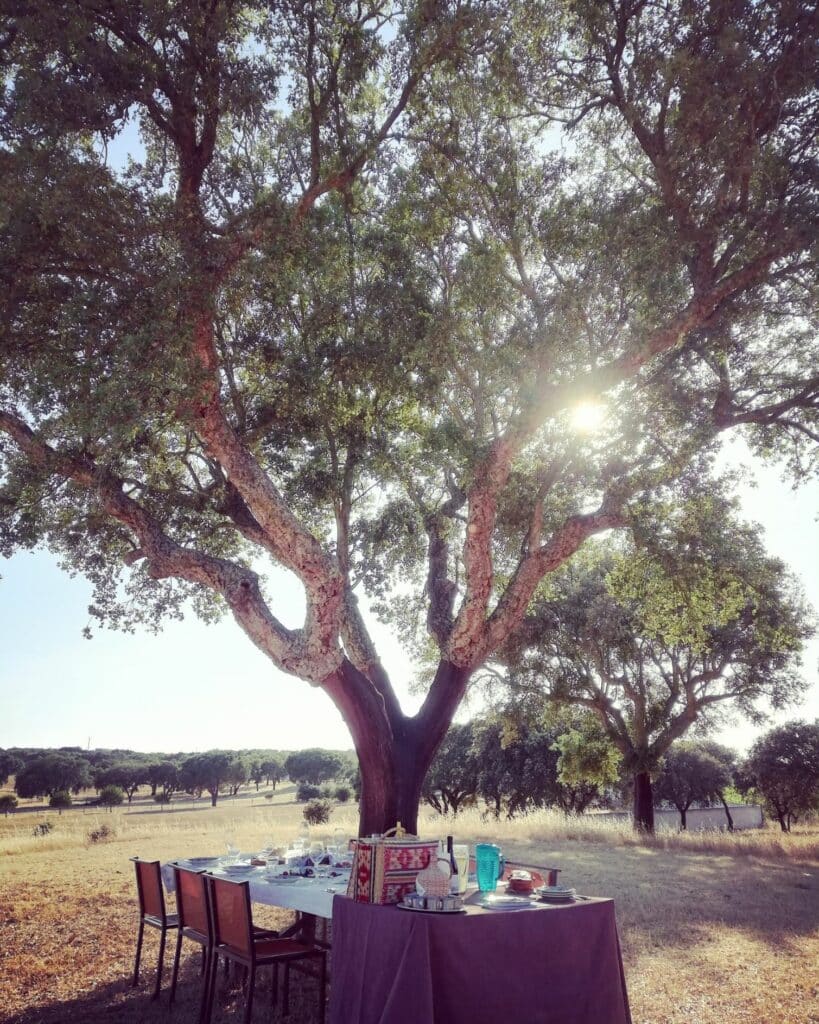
{"x":453,"y":867}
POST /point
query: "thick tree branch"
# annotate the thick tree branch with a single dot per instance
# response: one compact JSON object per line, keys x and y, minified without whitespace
{"x":166,"y":558}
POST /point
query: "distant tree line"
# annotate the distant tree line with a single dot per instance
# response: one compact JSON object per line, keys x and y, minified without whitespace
{"x":512,"y":767}
{"x":56,"y":775}
{"x":509,"y":764}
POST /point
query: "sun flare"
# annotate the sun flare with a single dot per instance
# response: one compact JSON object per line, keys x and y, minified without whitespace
{"x":588,"y":416}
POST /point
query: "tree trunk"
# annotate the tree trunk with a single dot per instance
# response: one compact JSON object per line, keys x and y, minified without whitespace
{"x":683,"y":822}
{"x":643,"y":803}
{"x":394,"y":751}
{"x":727,"y":813}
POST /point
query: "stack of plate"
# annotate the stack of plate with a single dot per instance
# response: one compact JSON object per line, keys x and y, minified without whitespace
{"x":555,"y":893}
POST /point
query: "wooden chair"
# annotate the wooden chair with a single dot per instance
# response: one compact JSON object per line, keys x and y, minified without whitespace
{"x":195,"y":922}
{"x":152,"y":912}
{"x":235,"y":940}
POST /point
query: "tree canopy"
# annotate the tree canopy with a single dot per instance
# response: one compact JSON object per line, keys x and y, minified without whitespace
{"x":693,"y":624}
{"x":335,"y":314}
{"x":783,"y":768}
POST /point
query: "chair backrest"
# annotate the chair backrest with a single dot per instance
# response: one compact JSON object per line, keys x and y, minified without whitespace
{"x":192,"y":902}
{"x":149,"y":888}
{"x":232,"y":919}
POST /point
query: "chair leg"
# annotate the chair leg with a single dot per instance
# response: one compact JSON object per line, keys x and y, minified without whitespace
{"x":251,"y":985}
{"x":322,"y":987}
{"x":210,"y":987}
{"x":274,"y":986}
{"x":286,"y":1007}
{"x":138,"y":951}
{"x":206,"y":983}
{"x":162,"y":934}
{"x":175,"y":972}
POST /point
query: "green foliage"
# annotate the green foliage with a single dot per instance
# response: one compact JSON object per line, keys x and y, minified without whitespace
{"x":656,"y":636}
{"x":317,"y":812}
{"x":691,"y":773}
{"x":126,"y":776}
{"x":49,"y":773}
{"x":307,"y":791}
{"x":783,"y":768}
{"x":342,"y":794}
{"x":8,"y":803}
{"x":9,"y":765}
{"x":452,"y":780}
{"x":314,"y":766}
{"x":337,"y":310}
{"x":111,"y":796}
{"x":60,"y":800}
{"x":208,"y":771}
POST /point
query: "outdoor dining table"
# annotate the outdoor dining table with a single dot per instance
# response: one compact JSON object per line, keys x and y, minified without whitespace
{"x":548,"y":964}
{"x":311,"y":898}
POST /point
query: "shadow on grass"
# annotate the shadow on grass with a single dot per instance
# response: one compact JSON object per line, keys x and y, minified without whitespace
{"x":676,"y":899}
{"x":119,"y":1003}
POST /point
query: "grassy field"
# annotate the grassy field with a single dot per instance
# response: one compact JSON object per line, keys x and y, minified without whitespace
{"x":715,"y":929}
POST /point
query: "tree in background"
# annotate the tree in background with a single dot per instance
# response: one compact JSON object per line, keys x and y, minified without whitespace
{"x":526,"y":763}
{"x":690,"y":774}
{"x":313,"y":766}
{"x":236,"y":775}
{"x":255,"y":772}
{"x":338,"y":316}
{"x":273,"y":771}
{"x":164,"y":774}
{"x":452,"y":779}
{"x":782,"y":767}
{"x":9,"y":765}
{"x":127,"y":776}
{"x":657,"y":637}
{"x":205,"y":772}
{"x":48,"y":774}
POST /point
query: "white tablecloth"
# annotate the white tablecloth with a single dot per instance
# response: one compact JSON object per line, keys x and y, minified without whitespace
{"x":308,"y":895}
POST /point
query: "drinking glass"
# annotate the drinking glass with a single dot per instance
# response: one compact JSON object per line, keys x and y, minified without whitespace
{"x":487,"y":862}
{"x":231,"y":853}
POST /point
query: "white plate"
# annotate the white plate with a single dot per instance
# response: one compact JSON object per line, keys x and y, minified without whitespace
{"x":554,"y":890}
{"x":236,"y":869}
{"x":288,"y":880}
{"x":199,"y":862}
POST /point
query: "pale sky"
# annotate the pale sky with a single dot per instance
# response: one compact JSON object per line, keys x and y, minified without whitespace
{"x":194,"y":686}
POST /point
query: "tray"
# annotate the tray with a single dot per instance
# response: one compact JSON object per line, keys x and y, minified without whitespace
{"x":424,"y":910}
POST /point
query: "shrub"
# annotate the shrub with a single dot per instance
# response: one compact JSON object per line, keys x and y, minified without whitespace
{"x":307,"y":791}
{"x":60,"y":800}
{"x":101,"y":834}
{"x":317,"y":812}
{"x":8,"y":802}
{"x":111,"y":796}
{"x":162,"y":798}
{"x":42,"y":829}
{"x":342,"y":794}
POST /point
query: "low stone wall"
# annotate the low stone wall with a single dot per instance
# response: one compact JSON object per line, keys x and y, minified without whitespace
{"x":744,"y":815}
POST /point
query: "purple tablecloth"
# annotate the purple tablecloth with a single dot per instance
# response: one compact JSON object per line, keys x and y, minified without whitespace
{"x":550,"y":965}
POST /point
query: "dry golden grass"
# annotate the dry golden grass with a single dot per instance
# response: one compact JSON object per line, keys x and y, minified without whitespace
{"x":715,"y":929}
